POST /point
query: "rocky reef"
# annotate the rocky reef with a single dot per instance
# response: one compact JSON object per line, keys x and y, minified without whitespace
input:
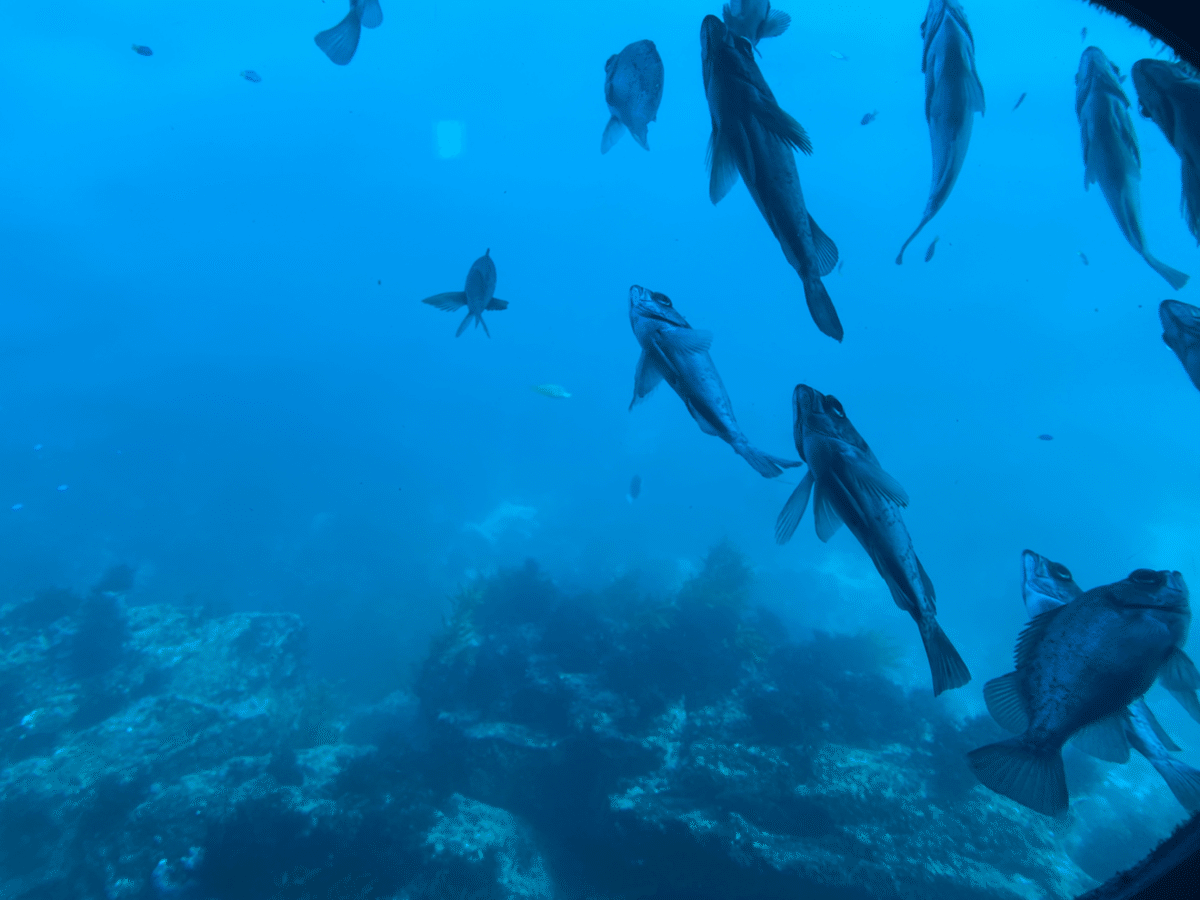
{"x":552,"y":746}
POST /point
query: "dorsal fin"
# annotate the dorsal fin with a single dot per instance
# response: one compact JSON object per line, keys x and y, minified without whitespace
{"x":1032,"y":635}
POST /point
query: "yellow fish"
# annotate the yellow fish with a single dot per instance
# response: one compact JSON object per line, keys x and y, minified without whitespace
{"x":550,"y":390}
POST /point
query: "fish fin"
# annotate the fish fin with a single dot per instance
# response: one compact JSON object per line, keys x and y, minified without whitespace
{"x":1006,"y":704}
{"x":449,"y":301}
{"x":1105,"y":739}
{"x":827,"y":252}
{"x":821,"y":308}
{"x":945,"y":665}
{"x":1189,"y":200}
{"x":463,"y":326}
{"x":764,"y":464}
{"x":1032,"y":634}
{"x":340,"y":41}
{"x":1182,"y":779}
{"x":1179,"y":676}
{"x":827,"y":519}
{"x":868,"y":477}
{"x":1174,"y":277}
{"x":1152,"y":721}
{"x":691,"y":340}
{"x":497,"y":303}
{"x":926,"y":583}
{"x":975,"y":101}
{"x":775,"y":24}
{"x":793,"y":510}
{"x":646,"y":378}
{"x":900,"y":256}
{"x":773,"y":119}
{"x":482,"y":324}
{"x":640,"y":134}
{"x":722,"y":163}
{"x":1036,"y":604}
{"x":372,"y":14}
{"x":1032,"y":776}
{"x":612,"y":133}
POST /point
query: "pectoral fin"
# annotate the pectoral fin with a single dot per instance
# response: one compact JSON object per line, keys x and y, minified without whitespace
{"x":1006,"y":704}
{"x":691,"y":340}
{"x":372,"y":14}
{"x":1140,"y":707}
{"x":827,"y":519}
{"x":612,"y":133}
{"x":497,"y":303}
{"x":793,"y":510}
{"x":448,"y":302}
{"x":775,"y":24}
{"x":1179,"y":676}
{"x":1105,"y":739}
{"x":868,"y":478}
{"x":645,"y":378}
{"x":722,"y":164}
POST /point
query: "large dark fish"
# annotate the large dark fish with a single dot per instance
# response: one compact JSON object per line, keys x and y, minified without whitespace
{"x":851,"y":487}
{"x":633,"y":86}
{"x":477,"y":296}
{"x":953,"y":94}
{"x":1079,"y":665}
{"x":340,"y":41}
{"x":1181,"y":332}
{"x":755,"y":20}
{"x":1169,"y":94}
{"x":1046,"y":585}
{"x":752,"y":136}
{"x":673,"y":350}
{"x":1110,"y":151}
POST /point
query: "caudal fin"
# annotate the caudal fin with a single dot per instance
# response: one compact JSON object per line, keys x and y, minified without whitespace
{"x":946,"y":666}
{"x":820,"y":307}
{"x":1174,"y":277}
{"x":1182,"y":779}
{"x":1032,"y":776}
{"x":764,"y":464}
{"x":900,"y":256}
{"x":612,"y":133}
{"x":340,"y":41}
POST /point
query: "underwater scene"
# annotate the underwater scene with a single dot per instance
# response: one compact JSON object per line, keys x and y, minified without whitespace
{"x":428,"y":431}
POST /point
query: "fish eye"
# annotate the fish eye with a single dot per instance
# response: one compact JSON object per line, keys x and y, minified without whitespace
{"x":1058,"y":570}
{"x":1143,"y":576}
{"x":661,"y":298}
{"x":835,"y":406}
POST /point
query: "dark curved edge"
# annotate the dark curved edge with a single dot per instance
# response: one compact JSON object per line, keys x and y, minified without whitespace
{"x":1172,"y":870}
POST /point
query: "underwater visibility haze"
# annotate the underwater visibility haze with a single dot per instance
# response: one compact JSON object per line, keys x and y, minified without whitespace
{"x":310,"y":590}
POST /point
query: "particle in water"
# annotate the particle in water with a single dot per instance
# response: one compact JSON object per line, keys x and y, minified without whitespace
{"x":142,"y":50}
{"x":17,"y":506}
{"x":1045,"y":437}
{"x":251,"y":75}
{"x":63,"y":487}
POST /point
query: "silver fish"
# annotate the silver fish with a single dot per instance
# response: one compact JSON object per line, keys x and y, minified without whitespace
{"x":1079,"y":665}
{"x":1046,"y":585}
{"x":752,"y":136}
{"x":633,"y":86}
{"x":932,"y":248}
{"x":852,"y":488}
{"x":868,"y":118}
{"x":1169,"y":94}
{"x":953,"y":94}
{"x":755,"y":20}
{"x":673,"y":350}
{"x":340,"y":41}
{"x":1110,"y":151}
{"x":477,"y":296}
{"x":1181,"y":332}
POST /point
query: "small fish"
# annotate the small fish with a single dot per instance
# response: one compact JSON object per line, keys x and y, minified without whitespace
{"x":868,"y":118}
{"x":550,"y":390}
{"x":477,"y":296}
{"x":1083,"y":34}
{"x":932,"y":247}
{"x":1181,"y":332}
{"x":1045,"y":437}
{"x":142,"y":50}
{"x":251,"y":75}
{"x":836,"y":55}
{"x":1169,"y":94}
{"x":1083,"y":256}
{"x":633,"y":87}
{"x":674,"y":351}
{"x":340,"y":41}
{"x":1079,"y":665}
{"x":1110,"y":151}
{"x":1020,"y":100}
{"x":852,"y":488}
{"x":953,"y":94}
{"x":755,"y":20}
{"x":635,"y":488}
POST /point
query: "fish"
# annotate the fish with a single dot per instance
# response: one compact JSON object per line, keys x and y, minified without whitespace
{"x":753,"y":137}
{"x":477,"y":296}
{"x":932,"y":247}
{"x":340,"y":41}
{"x":1110,"y":151}
{"x":1181,"y":332}
{"x":142,"y":50}
{"x":953,"y":94}
{"x":852,"y":488}
{"x":1020,"y":100}
{"x":1169,"y":94}
{"x":633,"y":87}
{"x":674,"y":351}
{"x":755,"y":20}
{"x":635,"y":488}
{"x":1083,"y":34}
{"x":550,"y":390}
{"x":251,"y":75}
{"x":868,"y":118}
{"x":1079,"y":665}
{"x":1083,"y":257}
{"x":1045,"y":437}
{"x":1046,"y":584}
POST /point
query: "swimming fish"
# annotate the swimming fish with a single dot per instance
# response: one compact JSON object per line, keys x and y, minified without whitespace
{"x":635,"y":488}
{"x":1170,"y":95}
{"x":477,"y":295}
{"x":1020,"y":100}
{"x":932,"y":247}
{"x":868,"y":118}
{"x":1110,"y":151}
{"x":141,"y":50}
{"x":673,"y":350}
{"x":340,"y":41}
{"x":251,"y":75}
{"x":1045,"y":437}
{"x":752,"y":136}
{"x":755,"y":20}
{"x":852,"y":488}
{"x":1181,"y":332}
{"x":633,"y":86}
{"x":953,"y":94}
{"x":1083,"y":256}
{"x":1079,"y":665}
{"x":556,"y":391}
{"x":1045,"y":585}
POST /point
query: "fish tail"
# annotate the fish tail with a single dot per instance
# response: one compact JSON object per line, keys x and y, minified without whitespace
{"x":479,"y":319}
{"x":612,"y":133}
{"x":1174,"y":277}
{"x":1182,"y":779}
{"x":946,"y":666}
{"x":463,"y":326}
{"x":1033,"y":776}
{"x":340,"y":41}
{"x":820,"y":307}
{"x":911,"y":238}
{"x":764,"y":464}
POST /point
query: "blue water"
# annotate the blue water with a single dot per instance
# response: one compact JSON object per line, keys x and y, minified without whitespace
{"x":211,"y":331}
